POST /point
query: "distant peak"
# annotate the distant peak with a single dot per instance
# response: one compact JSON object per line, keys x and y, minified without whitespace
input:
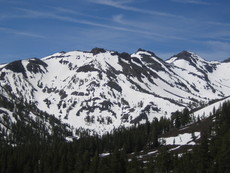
{"x":227,"y":60}
{"x":97,"y":50}
{"x":188,"y":56}
{"x":62,"y":52}
{"x":143,"y":50}
{"x":184,"y":54}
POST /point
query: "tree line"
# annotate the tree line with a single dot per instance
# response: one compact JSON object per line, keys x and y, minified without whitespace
{"x":123,"y":146}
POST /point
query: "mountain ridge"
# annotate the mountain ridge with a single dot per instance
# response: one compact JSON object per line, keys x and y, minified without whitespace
{"x":102,"y":90}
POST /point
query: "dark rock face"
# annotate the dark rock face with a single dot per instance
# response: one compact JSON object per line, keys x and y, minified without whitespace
{"x":142,"y":116}
{"x":125,"y":56}
{"x":227,"y":60}
{"x":16,"y":67}
{"x":87,"y":68}
{"x":152,"y":63}
{"x":34,"y":66}
{"x":209,"y":68}
{"x":96,"y":51}
{"x":143,"y":50}
{"x":183,"y":54}
{"x":2,"y":76}
{"x":115,"y":86}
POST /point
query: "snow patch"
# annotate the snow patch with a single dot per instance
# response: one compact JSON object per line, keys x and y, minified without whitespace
{"x":181,"y":139}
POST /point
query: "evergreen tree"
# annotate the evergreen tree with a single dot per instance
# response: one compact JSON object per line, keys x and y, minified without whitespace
{"x":164,"y":161}
{"x":94,"y":163}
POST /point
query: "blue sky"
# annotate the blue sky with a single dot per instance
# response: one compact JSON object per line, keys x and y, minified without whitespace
{"x":165,"y":27}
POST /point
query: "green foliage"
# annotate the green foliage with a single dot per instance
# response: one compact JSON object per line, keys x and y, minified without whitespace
{"x":180,"y":119}
{"x":53,"y":154}
{"x":213,"y":153}
{"x":164,"y":161}
{"x":26,"y":129}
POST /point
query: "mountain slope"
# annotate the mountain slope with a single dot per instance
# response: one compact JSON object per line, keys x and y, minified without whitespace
{"x":100,"y":90}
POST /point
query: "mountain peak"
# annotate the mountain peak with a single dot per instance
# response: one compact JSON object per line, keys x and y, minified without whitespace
{"x":187,"y":56}
{"x":17,"y":67}
{"x":227,"y":60}
{"x":149,"y":52}
{"x":184,"y":53}
{"x":97,"y":50}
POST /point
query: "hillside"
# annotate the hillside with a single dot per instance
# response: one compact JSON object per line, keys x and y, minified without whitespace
{"x":101,"y":90}
{"x":104,"y":111}
{"x":130,"y":150}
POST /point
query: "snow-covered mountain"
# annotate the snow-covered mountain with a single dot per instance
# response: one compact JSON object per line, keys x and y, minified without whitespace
{"x":101,"y":90}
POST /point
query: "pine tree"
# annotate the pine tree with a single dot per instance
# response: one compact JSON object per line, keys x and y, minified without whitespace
{"x":135,"y":166}
{"x":164,"y":161}
{"x":94,"y":163}
{"x":203,"y":159}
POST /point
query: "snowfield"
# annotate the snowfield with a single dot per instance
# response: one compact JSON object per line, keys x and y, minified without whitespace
{"x":181,"y":139}
{"x":101,"y":90}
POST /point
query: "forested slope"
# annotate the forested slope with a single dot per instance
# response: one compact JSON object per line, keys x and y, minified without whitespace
{"x":136,"y":149}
